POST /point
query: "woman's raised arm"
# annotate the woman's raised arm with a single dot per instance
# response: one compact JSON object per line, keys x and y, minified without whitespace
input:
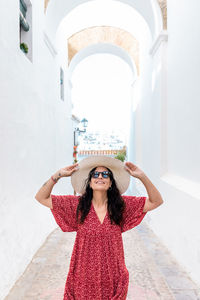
{"x":154,"y":197}
{"x":44,"y":193}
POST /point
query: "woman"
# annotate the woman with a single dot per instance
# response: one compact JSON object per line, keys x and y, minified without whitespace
{"x":99,"y":216}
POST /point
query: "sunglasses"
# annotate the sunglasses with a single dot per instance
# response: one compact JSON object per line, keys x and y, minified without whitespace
{"x":105,"y":174}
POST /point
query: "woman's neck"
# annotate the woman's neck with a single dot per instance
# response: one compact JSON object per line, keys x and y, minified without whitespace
{"x":100,"y":198}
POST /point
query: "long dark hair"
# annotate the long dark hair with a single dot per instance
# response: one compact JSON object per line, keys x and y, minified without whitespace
{"x":116,"y":203}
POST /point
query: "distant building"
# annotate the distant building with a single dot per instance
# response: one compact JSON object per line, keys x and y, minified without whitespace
{"x":101,"y":141}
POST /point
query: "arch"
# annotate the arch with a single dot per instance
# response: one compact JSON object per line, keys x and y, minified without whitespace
{"x":104,"y":34}
{"x":162,"y":4}
{"x":145,"y":9}
{"x":101,"y":48}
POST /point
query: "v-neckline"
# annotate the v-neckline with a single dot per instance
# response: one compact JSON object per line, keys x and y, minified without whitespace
{"x":97,"y":215}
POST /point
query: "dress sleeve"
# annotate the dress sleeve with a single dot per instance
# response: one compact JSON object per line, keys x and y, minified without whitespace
{"x":133,"y":213}
{"x":64,"y":211}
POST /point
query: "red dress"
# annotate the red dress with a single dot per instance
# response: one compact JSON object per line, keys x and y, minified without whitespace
{"x":97,"y":268}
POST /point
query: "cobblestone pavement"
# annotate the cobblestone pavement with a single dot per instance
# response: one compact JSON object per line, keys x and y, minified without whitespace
{"x":153,"y":272}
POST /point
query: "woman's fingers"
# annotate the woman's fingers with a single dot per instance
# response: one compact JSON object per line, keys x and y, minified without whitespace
{"x":74,"y":170}
{"x":128,"y":169}
{"x":130,"y":165}
{"x":67,"y":171}
{"x":71,"y":167}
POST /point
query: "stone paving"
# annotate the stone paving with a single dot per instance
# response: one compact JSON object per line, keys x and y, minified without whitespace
{"x":153,"y":272}
{"x":179,"y":282}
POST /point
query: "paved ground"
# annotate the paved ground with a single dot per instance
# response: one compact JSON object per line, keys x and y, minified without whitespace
{"x":154,"y":274}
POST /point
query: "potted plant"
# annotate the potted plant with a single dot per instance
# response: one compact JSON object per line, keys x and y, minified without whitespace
{"x":24,"y":47}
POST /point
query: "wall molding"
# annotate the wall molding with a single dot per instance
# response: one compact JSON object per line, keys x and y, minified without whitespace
{"x":162,"y":37}
{"x":49,"y":44}
{"x":184,"y":185}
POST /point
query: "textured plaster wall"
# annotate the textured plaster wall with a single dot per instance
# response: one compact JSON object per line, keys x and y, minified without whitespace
{"x":167,"y":134}
{"x":36,"y":140}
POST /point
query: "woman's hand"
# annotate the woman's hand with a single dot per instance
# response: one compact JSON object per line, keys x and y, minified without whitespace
{"x":67,"y":171}
{"x":133,"y":170}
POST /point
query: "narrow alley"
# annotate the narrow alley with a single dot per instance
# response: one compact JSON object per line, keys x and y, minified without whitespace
{"x":153,"y":273}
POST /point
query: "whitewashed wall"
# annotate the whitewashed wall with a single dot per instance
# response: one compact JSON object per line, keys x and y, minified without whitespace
{"x":168,"y":126}
{"x":36,"y":139}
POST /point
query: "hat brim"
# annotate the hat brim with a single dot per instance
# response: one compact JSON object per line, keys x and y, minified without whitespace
{"x":121,"y":175}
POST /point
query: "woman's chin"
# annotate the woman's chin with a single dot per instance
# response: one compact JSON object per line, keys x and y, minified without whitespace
{"x":100,"y":188}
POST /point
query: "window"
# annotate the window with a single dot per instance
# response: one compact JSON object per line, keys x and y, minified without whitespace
{"x":61,"y":84}
{"x":23,"y":22}
{"x":25,"y":19}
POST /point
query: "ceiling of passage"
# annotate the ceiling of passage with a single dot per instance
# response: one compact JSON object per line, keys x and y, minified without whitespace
{"x":162,"y":4}
{"x":104,"y":34}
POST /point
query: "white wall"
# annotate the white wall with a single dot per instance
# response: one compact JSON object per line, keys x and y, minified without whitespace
{"x":184,"y":90}
{"x":36,"y":140}
{"x":168,"y":128}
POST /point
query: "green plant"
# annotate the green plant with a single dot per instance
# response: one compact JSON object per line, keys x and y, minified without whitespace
{"x":121,"y":155}
{"x":24,"y":47}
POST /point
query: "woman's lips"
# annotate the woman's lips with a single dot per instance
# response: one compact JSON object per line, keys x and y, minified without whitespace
{"x":99,"y":181}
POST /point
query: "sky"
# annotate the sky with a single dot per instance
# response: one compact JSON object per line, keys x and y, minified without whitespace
{"x":101,"y":93}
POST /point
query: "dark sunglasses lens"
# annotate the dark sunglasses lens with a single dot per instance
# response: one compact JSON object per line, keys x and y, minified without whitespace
{"x":95,"y":174}
{"x":105,"y":174}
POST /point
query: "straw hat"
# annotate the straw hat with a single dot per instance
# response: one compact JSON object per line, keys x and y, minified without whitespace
{"x":121,"y":175}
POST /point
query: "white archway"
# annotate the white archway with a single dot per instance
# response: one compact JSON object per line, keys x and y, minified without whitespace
{"x":132,"y":88}
{"x":102,"y":48}
{"x":149,"y":11}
